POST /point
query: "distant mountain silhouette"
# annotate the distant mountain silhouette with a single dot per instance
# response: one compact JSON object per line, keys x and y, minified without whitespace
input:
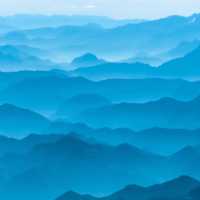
{"x":86,"y":60}
{"x":66,"y":162}
{"x":183,"y":48}
{"x":60,"y":127}
{"x":115,"y":43}
{"x":171,"y":190}
{"x":21,"y":146}
{"x":11,"y":78}
{"x":16,"y":121}
{"x":186,"y":67}
{"x":164,"y":113}
{"x":22,"y":49}
{"x":80,"y":103}
{"x":45,"y":92}
{"x":75,"y":159}
{"x":158,"y":58}
{"x":92,"y":126}
{"x":14,"y":58}
{"x":155,"y":140}
{"x":75,"y":196}
{"x":38,"y":21}
{"x":115,"y":70}
{"x":186,"y":161}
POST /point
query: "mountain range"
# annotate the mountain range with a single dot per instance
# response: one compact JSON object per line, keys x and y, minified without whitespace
{"x":171,"y":190}
{"x":47,"y":91}
{"x":15,"y":58}
{"x":164,"y":113}
{"x":186,"y":67}
{"x":94,"y":108}
{"x":118,"y":43}
{"x":18,"y":22}
{"x":63,"y":163}
{"x":156,"y":140}
{"x":66,"y":163}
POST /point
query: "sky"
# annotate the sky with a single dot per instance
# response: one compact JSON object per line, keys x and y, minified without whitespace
{"x":138,"y":9}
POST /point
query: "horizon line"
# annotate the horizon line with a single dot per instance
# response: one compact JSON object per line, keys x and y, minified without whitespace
{"x":90,"y":15}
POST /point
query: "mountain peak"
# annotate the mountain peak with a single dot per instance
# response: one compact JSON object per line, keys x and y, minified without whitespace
{"x":89,"y":56}
{"x":71,"y":195}
{"x":184,"y":180}
{"x":86,"y":60}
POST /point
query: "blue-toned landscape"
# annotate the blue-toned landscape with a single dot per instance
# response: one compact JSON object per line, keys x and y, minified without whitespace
{"x":99,"y":100}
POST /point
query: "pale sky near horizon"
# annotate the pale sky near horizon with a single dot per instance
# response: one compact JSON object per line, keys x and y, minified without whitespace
{"x":112,"y":8}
